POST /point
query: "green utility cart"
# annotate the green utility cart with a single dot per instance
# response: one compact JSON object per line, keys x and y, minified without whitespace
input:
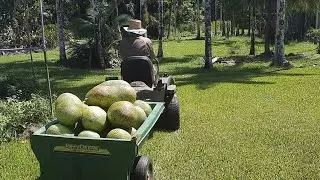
{"x":79,"y":158}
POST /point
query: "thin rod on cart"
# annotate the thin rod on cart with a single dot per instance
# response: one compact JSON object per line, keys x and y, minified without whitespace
{"x":45,"y":57}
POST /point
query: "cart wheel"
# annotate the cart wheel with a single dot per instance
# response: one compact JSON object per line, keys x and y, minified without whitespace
{"x":142,"y":169}
{"x":170,"y":118}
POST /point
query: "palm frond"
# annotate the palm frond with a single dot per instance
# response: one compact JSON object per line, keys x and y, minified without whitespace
{"x":82,"y":28}
{"x":122,"y":19}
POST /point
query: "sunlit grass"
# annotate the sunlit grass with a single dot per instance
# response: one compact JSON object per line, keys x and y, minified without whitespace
{"x":244,"y":122}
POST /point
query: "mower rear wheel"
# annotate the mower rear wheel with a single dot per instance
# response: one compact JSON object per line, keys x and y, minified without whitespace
{"x":142,"y":169}
{"x":170,"y":118}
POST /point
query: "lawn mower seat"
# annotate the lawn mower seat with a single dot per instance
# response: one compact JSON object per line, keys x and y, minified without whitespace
{"x":138,"y":68}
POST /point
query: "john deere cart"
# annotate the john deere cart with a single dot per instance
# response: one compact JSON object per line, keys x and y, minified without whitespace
{"x":80,"y":158}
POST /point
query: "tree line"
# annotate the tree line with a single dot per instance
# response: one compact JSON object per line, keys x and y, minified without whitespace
{"x":91,"y":28}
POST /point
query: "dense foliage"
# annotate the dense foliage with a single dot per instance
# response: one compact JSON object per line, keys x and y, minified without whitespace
{"x":19,"y":118}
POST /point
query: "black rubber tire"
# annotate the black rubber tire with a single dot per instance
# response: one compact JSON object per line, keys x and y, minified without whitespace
{"x":170,"y":118}
{"x":142,"y":169}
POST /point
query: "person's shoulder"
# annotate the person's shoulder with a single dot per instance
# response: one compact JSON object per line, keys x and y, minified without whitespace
{"x":145,"y":39}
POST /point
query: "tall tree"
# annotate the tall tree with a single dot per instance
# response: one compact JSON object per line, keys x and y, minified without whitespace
{"x":160,"y":28}
{"x":60,"y":24}
{"x":268,"y":7}
{"x":317,"y":18}
{"x":279,"y":57}
{"x":253,"y":28}
{"x":222,"y":26}
{"x":170,"y":18}
{"x":208,"y":48}
{"x":99,"y":31}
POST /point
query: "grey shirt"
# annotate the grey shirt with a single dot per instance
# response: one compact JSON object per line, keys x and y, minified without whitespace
{"x":136,"y":46}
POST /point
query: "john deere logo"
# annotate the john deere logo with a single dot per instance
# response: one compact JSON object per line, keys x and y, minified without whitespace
{"x":81,"y":148}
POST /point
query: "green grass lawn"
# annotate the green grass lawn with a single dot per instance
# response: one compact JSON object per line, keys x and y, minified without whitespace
{"x":243,"y":122}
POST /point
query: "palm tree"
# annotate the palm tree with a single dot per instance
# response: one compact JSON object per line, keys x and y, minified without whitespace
{"x":317,"y":19}
{"x":253,"y":27}
{"x":160,"y":28}
{"x":170,"y":18}
{"x":208,"y":49}
{"x":279,"y":57}
{"x":98,"y":33}
{"x":60,"y":23}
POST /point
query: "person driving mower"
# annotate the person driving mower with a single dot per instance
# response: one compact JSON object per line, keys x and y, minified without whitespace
{"x":135,"y":43}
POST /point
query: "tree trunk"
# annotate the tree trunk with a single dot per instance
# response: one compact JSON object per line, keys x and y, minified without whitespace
{"x":279,"y":57}
{"x":222,"y":24}
{"x":242,"y":31}
{"x":160,"y":28}
{"x":317,"y":19}
{"x":228,"y":29}
{"x":60,"y":23}
{"x":100,"y":46}
{"x":175,"y":17}
{"x":198,"y":20}
{"x":170,"y":17}
{"x":253,"y":29}
{"x":208,"y":48}
{"x":250,"y":20}
{"x":215,"y":27}
{"x":117,"y":23}
{"x":238,"y":30}
{"x":267,"y":30}
{"x":215,"y":18}
{"x":233,"y":24}
{"x":98,"y":39}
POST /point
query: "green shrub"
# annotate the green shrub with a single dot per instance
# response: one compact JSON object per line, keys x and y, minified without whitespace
{"x":17,"y":114}
{"x":313,"y":35}
{"x":18,"y":87}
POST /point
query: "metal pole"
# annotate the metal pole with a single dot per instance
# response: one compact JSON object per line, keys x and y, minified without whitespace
{"x":45,"y":57}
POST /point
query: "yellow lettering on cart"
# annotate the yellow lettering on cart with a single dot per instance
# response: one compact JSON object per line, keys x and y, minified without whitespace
{"x":81,"y":148}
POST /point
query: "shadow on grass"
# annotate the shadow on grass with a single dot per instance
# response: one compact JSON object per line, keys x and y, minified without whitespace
{"x":184,"y":75}
{"x":58,"y":75}
{"x":239,"y":73}
{"x":185,"y":59}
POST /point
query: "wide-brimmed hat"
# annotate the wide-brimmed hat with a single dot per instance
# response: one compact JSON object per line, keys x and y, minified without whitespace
{"x":135,"y":27}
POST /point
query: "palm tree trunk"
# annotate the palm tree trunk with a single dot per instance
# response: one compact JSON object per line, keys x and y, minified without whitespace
{"x":170,"y":18}
{"x":238,"y":30}
{"x":279,"y":58}
{"x":208,"y":48}
{"x":60,"y":23}
{"x":267,"y":37}
{"x":160,"y":28}
{"x":242,"y":31}
{"x":215,"y":27}
{"x":222,"y":27}
{"x":253,"y":28}
{"x":116,"y":13}
{"x":175,"y":17}
{"x":233,"y":24}
{"x":198,"y":20}
{"x":228,"y":24}
{"x":250,"y":20}
{"x":100,"y":46}
{"x":317,"y":19}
